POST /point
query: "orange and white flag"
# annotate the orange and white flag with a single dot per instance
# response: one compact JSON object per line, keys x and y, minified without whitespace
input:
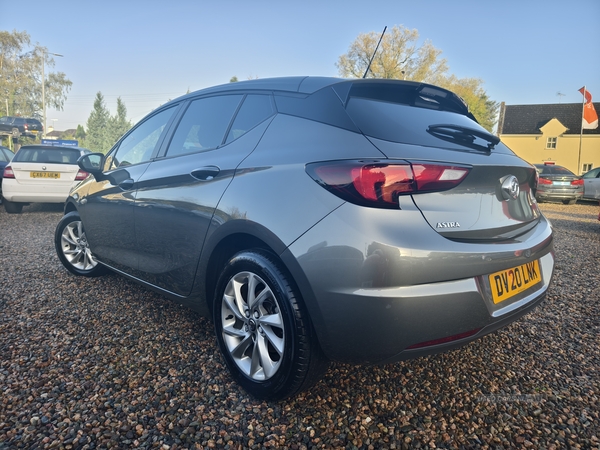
{"x":590,"y":117}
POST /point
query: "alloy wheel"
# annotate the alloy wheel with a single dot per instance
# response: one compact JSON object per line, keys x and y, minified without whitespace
{"x":252,"y":325}
{"x":75,"y":247}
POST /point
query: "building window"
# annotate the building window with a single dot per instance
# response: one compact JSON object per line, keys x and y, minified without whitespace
{"x":587,"y":167}
{"x":551,"y":143}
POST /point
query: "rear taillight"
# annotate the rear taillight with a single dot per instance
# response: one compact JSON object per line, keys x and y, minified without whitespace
{"x":8,"y":172}
{"x":544,"y":181}
{"x":379,"y":184}
{"x":81,"y":175}
{"x":577,"y":182}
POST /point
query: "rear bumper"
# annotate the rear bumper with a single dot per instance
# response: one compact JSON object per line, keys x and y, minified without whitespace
{"x":556,"y":194}
{"x":38,"y":197}
{"x":371,"y":300}
{"x":20,"y":193}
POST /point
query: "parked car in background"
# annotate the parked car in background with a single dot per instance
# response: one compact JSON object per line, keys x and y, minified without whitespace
{"x":557,"y":183}
{"x":591,"y":184}
{"x":25,"y":126}
{"x":317,"y":219}
{"x":41,"y":174}
{"x":6,"y":155}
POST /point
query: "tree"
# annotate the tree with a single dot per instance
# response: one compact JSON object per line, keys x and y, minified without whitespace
{"x":21,"y":66}
{"x":400,"y":57}
{"x":103,"y":130}
{"x":96,"y":138}
{"x":80,"y":134}
{"x":118,"y":124}
{"x":233,"y":79}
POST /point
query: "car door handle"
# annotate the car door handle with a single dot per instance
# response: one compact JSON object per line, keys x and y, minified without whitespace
{"x":205,"y":173}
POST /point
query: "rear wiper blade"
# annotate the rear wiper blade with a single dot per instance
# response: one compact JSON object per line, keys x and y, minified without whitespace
{"x":463,"y":135}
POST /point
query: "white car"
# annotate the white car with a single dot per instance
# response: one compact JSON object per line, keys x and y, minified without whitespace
{"x":41,"y":174}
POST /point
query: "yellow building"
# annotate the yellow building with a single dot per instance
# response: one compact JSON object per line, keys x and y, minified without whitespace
{"x":540,"y":133}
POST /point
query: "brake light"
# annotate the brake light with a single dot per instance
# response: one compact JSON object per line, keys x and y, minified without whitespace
{"x":544,"y":181}
{"x":578,"y":182}
{"x":81,"y":175}
{"x":379,"y":184}
{"x":8,"y":172}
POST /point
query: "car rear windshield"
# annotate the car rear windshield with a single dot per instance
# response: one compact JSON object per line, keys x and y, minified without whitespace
{"x":554,"y":170}
{"x":419,"y":115}
{"x":44,"y":155}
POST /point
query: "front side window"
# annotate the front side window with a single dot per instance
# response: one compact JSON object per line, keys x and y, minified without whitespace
{"x":551,"y":143}
{"x":204,"y":124}
{"x":138,"y":146}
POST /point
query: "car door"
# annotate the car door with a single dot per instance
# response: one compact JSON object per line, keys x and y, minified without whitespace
{"x":107,"y":211}
{"x":591,"y":184}
{"x":179,"y":192}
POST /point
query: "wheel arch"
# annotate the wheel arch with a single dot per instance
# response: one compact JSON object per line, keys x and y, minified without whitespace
{"x":238,"y":235}
{"x":69,"y":207}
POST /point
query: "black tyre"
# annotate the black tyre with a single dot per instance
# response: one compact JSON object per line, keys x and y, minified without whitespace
{"x":570,"y":202}
{"x":73,"y":249}
{"x":263,"y":329}
{"x":12,"y":207}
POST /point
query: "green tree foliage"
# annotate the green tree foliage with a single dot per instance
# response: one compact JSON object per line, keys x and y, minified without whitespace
{"x":233,"y":79}
{"x":97,"y":124}
{"x":118,"y":124}
{"x":80,"y":133}
{"x":21,"y":76}
{"x":103,"y":130}
{"x":400,"y":57}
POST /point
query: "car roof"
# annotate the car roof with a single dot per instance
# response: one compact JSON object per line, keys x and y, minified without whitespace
{"x":57,"y":147}
{"x":308,"y":85}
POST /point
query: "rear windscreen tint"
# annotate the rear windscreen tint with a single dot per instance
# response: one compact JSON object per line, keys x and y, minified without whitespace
{"x":397,"y":122}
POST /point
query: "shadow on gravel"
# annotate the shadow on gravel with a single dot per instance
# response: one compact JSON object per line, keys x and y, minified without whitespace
{"x":38,"y":208}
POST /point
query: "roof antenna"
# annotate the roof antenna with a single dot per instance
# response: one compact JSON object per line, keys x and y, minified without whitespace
{"x":369,"y":66}
{"x":560,"y":94}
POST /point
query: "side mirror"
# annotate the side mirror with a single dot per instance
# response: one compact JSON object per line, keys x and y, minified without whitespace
{"x":92,"y":163}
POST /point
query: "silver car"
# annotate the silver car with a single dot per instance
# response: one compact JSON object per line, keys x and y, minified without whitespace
{"x":591,"y":186}
{"x":317,"y":220}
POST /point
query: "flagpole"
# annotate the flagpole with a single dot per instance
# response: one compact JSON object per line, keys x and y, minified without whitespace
{"x":581,"y":132}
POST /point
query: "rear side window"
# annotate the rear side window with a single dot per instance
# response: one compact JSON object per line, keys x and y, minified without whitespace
{"x":323,"y":106}
{"x":49,"y":156}
{"x":204,"y":124}
{"x":254,"y":110}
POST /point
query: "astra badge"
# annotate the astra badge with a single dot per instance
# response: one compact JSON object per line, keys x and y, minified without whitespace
{"x":510,"y":188}
{"x":448,"y":225}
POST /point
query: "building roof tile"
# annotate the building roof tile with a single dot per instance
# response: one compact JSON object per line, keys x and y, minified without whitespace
{"x":528,"y":119}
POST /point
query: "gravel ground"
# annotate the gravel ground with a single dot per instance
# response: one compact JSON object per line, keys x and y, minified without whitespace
{"x":104,"y":363}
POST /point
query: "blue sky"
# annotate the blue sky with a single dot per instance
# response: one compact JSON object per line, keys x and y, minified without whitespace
{"x":148,"y":52}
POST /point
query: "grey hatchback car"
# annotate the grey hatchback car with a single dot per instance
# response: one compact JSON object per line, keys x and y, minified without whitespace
{"x":315,"y":220}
